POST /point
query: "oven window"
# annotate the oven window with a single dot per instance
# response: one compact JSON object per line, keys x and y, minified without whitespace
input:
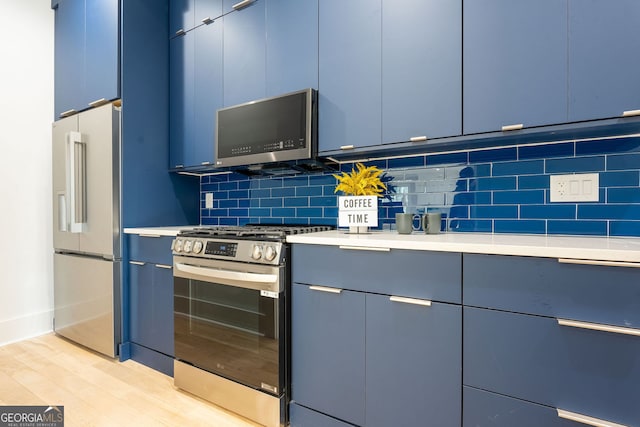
{"x":227,"y":330}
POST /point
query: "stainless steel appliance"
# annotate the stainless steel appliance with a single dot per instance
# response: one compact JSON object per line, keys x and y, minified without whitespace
{"x":277,"y":129}
{"x":86,"y":228}
{"x":231,"y":317}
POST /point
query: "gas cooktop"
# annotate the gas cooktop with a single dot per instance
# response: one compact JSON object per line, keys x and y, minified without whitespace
{"x":254,"y":231}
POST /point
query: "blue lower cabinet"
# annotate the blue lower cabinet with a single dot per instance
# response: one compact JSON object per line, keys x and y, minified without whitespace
{"x":305,"y":417}
{"x":150,"y":276}
{"x":486,"y":409}
{"x":538,"y":359}
{"x":151,"y":304}
{"x":413,"y":362}
{"x":327,"y":355}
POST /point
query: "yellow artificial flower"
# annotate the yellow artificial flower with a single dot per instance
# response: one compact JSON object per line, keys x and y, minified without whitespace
{"x":363,"y":182}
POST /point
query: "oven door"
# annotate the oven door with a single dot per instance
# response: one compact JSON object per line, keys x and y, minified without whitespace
{"x":228,"y":320}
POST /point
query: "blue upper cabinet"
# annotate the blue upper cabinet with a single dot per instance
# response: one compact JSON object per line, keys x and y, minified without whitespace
{"x":515,"y":63}
{"x":195,"y":91}
{"x":181,"y":16}
{"x":69,"y":52}
{"x":292,"y":45}
{"x":244,"y":53}
{"x":181,"y":99}
{"x":102,"y":56}
{"x":86,"y":54}
{"x":603,"y":58}
{"x":208,"y":90}
{"x":185,"y":15}
{"x":421,"y":69}
{"x":350,"y":64}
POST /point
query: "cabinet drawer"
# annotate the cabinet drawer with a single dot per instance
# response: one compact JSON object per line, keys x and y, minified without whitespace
{"x":150,"y":249}
{"x":485,"y":409}
{"x":419,"y":274}
{"x":303,"y":417}
{"x":534,"y":358}
{"x":547,"y":287}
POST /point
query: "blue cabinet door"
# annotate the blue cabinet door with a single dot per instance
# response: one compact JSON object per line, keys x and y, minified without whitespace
{"x":421,"y":69}
{"x":151,"y":299}
{"x":181,"y":99}
{"x":485,"y":409}
{"x":87,"y":57}
{"x":69,"y":56}
{"x":349,"y":67}
{"x":515,"y":63}
{"x":181,"y":16}
{"x":299,"y":416}
{"x":413,"y":363}
{"x":603,"y":60}
{"x":208,"y":92}
{"x":534,"y":358}
{"x":101,"y":51}
{"x":244,"y":54}
{"x":292,"y":45}
{"x":327,"y":352}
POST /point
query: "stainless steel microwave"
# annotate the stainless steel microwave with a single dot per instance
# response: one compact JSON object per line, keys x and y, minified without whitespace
{"x":278,"y":129}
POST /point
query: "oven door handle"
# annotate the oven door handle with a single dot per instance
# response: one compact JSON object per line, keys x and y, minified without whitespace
{"x":238,"y":276}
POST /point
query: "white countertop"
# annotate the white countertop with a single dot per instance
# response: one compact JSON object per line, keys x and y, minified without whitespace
{"x":578,"y":247}
{"x":159,"y":231}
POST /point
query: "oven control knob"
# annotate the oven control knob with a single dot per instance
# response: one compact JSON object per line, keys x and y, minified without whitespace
{"x":187,"y":246}
{"x":257,"y":252}
{"x":178,"y":245}
{"x":270,"y":253}
{"x":197,"y":247}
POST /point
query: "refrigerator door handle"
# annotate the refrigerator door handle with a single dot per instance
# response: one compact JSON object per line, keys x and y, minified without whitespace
{"x":62,"y":211}
{"x":76,"y":183}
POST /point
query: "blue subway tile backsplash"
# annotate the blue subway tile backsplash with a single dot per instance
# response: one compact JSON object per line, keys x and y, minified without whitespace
{"x":502,"y":190}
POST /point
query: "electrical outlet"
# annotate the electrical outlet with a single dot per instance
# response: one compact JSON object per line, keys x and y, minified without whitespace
{"x":582,"y":187}
{"x":208,"y":200}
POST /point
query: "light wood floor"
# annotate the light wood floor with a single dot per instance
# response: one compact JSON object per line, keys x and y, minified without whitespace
{"x":98,"y":391}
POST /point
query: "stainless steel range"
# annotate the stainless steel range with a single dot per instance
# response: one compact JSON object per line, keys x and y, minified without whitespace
{"x":231,"y":314}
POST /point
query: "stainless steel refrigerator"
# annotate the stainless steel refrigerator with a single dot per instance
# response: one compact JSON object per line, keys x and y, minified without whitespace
{"x":86,"y":229}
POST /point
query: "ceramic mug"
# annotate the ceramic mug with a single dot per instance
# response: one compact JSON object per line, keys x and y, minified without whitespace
{"x":432,"y":222}
{"x":404,"y":223}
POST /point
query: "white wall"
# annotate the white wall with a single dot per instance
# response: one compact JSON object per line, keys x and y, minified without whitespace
{"x":26,"y":113}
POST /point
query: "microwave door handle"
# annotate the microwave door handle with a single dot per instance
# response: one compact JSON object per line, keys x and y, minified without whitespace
{"x":238,"y":276}
{"x":76,"y":182}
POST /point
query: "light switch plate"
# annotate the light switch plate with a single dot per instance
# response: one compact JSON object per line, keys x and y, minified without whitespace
{"x":582,"y":187}
{"x":208,"y":200}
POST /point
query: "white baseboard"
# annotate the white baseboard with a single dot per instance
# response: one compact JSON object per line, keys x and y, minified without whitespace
{"x":29,"y":326}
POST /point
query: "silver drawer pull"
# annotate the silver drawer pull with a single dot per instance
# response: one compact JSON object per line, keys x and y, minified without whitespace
{"x":603,"y":263}
{"x":242,"y":4}
{"x":364,"y":248}
{"x":583,"y":419}
{"x":507,"y":128}
{"x":68,"y":113}
{"x":98,"y":102}
{"x":631,"y":113}
{"x":347,"y":147}
{"x":599,"y":327}
{"x":418,"y":138}
{"x":137,"y":262}
{"x":325,"y":289}
{"x":165,"y":266}
{"x":414,"y":301}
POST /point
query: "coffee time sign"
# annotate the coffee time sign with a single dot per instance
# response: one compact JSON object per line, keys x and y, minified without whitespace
{"x":358,"y":211}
